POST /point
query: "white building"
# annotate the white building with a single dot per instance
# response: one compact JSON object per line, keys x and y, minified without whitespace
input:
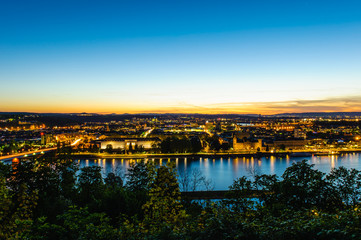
{"x":129,"y":143}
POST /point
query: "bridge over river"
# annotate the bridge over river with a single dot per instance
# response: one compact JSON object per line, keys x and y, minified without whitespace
{"x":33,"y":153}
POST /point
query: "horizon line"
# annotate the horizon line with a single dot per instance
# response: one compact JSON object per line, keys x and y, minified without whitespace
{"x":178,"y":113}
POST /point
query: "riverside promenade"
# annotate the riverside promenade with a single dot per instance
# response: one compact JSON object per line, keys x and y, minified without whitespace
{"x":213,"y":154}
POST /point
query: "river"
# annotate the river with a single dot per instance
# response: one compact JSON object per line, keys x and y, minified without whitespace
{"x":222,"y":171}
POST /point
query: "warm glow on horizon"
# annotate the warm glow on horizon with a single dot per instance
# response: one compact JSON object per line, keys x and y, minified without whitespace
{"x":265,"y":108}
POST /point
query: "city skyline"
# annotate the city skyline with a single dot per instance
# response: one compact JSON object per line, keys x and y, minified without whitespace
{"x":263,"y":57}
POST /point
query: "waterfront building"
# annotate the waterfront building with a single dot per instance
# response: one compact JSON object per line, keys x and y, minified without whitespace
{"x":129,"y":143}
{"x":291,"y":143}
{"x":246,"y":144}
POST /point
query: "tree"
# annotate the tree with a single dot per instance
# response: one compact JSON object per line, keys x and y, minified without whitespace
{"x":41,"y":175}
{"x":130,"y":149}
{"x":90,"y":185}
{"x":214,"y":143}
{"x":164,"y":209}
{"x":109,"y":148}
{"x":116,"y":201}
{"x":113,"y":180}
{"x":177,"y":145}
{"x":194,"y":181}
{"x":68,"y":181}
{"x":225,"y":146}
{"x":79,"y":223}
{"x":16,"y":210}
{"x":93,"y":148}
{"x":238,"y":195}
{"x":138,"y":179}
{"x":303,"y":186}
{"x":196,"y":144}
{"x":139,"y":176}
{"x":347,"y":185}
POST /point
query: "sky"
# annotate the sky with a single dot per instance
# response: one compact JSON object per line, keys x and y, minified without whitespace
{"x":130,"y":56}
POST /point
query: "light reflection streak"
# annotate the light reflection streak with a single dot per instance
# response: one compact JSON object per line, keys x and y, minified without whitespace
{"x":332,"y":161}
{"x":272,"y":165}
{"x":235,"y":166}
{"x":113,"y":165}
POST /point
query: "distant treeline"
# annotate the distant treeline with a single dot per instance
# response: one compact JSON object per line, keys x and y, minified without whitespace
{"x":181,"y":145}
{"x":336,"y":124}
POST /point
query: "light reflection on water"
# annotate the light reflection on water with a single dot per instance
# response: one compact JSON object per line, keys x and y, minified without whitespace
{"x":224,"y":171}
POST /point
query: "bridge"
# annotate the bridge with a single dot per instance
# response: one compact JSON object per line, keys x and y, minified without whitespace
{"x":35,"y":152}
{"x":26,"y":154}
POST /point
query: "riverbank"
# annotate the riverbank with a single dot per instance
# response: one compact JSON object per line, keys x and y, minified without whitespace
{"x":188,"y":155}
{"x":212,"y":155}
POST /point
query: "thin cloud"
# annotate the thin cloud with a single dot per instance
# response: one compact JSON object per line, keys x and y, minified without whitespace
{"x":337,"y":104}
{"x":322,"y":105}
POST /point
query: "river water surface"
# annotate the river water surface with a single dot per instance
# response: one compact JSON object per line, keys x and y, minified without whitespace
{"x":222,"y":171}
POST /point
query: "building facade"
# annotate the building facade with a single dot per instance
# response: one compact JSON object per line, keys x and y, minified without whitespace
{"x":248,"y":145}
{"x":129,"y":143}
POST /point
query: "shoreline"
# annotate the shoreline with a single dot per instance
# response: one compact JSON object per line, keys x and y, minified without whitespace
{"x":208,"y":155}
{"x":257,"y":155}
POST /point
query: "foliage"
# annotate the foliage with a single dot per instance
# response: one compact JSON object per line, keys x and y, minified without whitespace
{"x":49,"y":198}
{"x":113,"y":180}
{"x":181,"y":145}
{"x":164,"y":208}
{"x":237,"y":201}
{"x":347,"y":184}
{"x":214,"y":143}
{"x":90,"y":186}
{"x":194,"y":181}
{"x":15,"y":210}
{"x":139,"y":176}
{"x":75,"y":223}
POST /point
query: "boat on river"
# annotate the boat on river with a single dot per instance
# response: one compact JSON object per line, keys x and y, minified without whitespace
{"x":301,"y":154}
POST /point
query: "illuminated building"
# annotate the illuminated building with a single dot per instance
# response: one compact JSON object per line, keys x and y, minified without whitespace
{"x":246,"y":144}
{"x":129,"y":143}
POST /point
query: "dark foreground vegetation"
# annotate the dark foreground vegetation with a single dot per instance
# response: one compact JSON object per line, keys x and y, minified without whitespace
{"x":49,"y":198}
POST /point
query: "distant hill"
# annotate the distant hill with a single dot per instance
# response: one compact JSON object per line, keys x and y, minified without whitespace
{"x":319,"y":114}
{"x":62,"y":119}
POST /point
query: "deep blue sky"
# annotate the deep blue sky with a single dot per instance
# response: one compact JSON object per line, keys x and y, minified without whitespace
{"x":180,"y":56}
